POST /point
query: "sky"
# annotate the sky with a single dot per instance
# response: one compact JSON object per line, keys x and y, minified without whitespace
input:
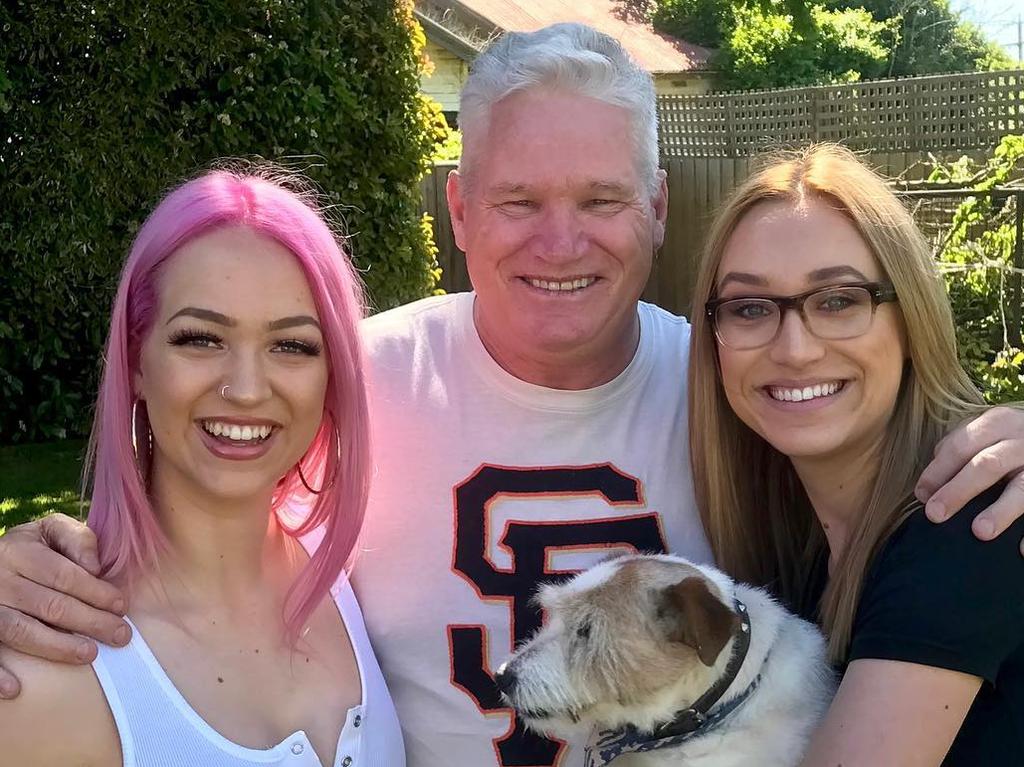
{"x":998,"y":18}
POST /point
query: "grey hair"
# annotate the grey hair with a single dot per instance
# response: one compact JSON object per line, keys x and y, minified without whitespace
{"x":570,"y":57}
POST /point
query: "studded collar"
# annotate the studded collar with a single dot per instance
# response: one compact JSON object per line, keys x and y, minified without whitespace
{"x":697,"y":719}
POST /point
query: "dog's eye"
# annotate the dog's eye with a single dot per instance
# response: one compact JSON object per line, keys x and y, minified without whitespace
{"x":583,"y":631}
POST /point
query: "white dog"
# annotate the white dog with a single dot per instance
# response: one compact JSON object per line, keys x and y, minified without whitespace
{"x":671,"y":663}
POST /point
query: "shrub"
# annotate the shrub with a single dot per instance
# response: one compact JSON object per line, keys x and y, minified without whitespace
{"x":977,"y":260}
{"x":105,"y":105}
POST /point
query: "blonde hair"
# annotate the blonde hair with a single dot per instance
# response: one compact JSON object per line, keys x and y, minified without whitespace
{"x":759,"y":521}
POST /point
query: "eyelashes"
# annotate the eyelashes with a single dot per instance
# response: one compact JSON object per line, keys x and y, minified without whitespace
{"x":295,"y":346}
{"x":192,"y":337}
{"x":202,"y":339}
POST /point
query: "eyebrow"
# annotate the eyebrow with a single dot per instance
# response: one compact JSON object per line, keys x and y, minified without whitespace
{"x":293,"y":322}
{"x":594,"y":185}
{"x":221,"y":319}
{"x":609,"y":186}
{"x":832,"y":272}
{"x":742,"y":277}
{"x":508,"y":188}
{"x":818,"y":275}
{"x":203,"y":314}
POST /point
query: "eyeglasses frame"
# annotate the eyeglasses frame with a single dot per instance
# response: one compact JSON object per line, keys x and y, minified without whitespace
{"x":880,"y":292}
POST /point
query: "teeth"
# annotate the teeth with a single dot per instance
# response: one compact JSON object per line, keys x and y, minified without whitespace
{"x":806,"y":393}
{"x":237,"y":433}
{"x":567,"y":285}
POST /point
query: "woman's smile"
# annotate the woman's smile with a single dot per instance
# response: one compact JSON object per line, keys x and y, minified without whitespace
{"x":237,"y":440}
{"x":802,"y":398}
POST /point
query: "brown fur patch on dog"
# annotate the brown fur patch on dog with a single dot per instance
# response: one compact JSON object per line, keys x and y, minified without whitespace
{"x":705,"y":623}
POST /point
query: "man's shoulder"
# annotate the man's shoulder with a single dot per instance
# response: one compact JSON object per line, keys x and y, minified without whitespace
{"x":411,"y":320}
{"x":664,"y":318}
{"x":669,"y":336}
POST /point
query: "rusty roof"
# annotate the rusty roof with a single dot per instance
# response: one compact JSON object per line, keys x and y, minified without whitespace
{"x":656,"y":52}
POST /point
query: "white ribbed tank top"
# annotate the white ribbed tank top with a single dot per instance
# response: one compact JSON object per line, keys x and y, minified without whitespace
{"x":158,"y":727}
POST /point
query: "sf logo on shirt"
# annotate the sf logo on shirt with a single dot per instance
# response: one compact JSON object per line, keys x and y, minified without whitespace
{"x":529,"y":544}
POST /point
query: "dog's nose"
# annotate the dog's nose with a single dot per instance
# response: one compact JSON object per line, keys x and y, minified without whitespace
{"x":505,"y":679}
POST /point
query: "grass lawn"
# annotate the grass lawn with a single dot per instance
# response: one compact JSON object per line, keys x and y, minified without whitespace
{"x":39,"y":478}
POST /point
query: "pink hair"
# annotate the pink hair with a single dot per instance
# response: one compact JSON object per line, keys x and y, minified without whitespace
{"x":337,"y":460}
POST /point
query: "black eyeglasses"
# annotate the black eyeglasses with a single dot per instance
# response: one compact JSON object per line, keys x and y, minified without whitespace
{"x":833,"y":313}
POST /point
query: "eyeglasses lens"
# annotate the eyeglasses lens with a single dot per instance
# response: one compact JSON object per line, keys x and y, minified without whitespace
{"x":832,"y":314}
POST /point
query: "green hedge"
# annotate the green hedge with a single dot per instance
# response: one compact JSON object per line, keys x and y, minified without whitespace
{"x":105,"y":105}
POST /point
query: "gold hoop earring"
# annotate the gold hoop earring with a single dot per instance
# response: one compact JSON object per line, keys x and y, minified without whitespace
{"x":329,"y":485}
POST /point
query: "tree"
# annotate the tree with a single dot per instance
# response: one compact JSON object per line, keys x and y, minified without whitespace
{"x":704,"y":22}
{"x":772,"y":43}
{"x":767,"y":50}
{"x":709,"y":22}
{"x":927,"y":37}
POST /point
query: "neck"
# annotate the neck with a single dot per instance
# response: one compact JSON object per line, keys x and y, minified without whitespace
{"x":839,"y":489}
{"x":573,"y":370}
{"x":223,"y":553}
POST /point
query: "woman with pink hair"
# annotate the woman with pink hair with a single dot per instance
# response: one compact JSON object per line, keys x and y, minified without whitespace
{"x":230,"y":465}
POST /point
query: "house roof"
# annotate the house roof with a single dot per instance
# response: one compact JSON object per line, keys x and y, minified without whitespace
{"x":656,"y":52}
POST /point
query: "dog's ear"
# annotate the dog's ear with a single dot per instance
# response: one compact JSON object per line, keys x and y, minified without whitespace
{"x":702,"y":621}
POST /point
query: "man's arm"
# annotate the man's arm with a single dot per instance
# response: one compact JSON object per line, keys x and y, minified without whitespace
{"x":891,"y":712}
{"x":48,"y":579}
{"x":972,"y":458}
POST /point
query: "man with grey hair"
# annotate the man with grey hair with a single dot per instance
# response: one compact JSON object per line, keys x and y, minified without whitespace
{"x":548,"y":402}
{"x":522,"y":431}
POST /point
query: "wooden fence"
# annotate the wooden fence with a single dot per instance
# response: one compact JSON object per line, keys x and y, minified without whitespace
{"x":697,"y":186}
{"x":934,"y":113}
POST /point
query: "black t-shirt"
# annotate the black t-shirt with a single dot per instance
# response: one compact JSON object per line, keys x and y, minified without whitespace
{"x":938,"y":596}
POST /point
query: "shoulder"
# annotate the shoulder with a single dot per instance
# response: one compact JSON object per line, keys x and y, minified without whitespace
{"x":938,"y":596}
{"x":408,"y":343}
{"x":70,"y":701}
{"x":409,"y":320}
{"x":922,"y":545}
{"x":664,"y":320}
{"x":668,"y":334}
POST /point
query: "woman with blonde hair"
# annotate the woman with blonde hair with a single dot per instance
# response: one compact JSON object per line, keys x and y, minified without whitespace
{"x":824,"y":363}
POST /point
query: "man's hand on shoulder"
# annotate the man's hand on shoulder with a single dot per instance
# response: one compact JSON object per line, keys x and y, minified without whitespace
{"x":48,"y":588}
{"x":975,"y":456}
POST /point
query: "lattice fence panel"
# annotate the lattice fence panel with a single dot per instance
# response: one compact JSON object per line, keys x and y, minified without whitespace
{"x":962,"y":112}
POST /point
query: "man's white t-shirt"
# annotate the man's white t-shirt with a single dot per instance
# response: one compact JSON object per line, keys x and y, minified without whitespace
{"x":486,"y":485}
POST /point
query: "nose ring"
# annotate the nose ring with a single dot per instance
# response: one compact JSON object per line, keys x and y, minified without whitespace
{"x":224,"y":391}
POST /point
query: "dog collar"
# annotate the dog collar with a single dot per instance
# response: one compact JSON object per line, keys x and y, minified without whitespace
{"x":696,"y":720}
